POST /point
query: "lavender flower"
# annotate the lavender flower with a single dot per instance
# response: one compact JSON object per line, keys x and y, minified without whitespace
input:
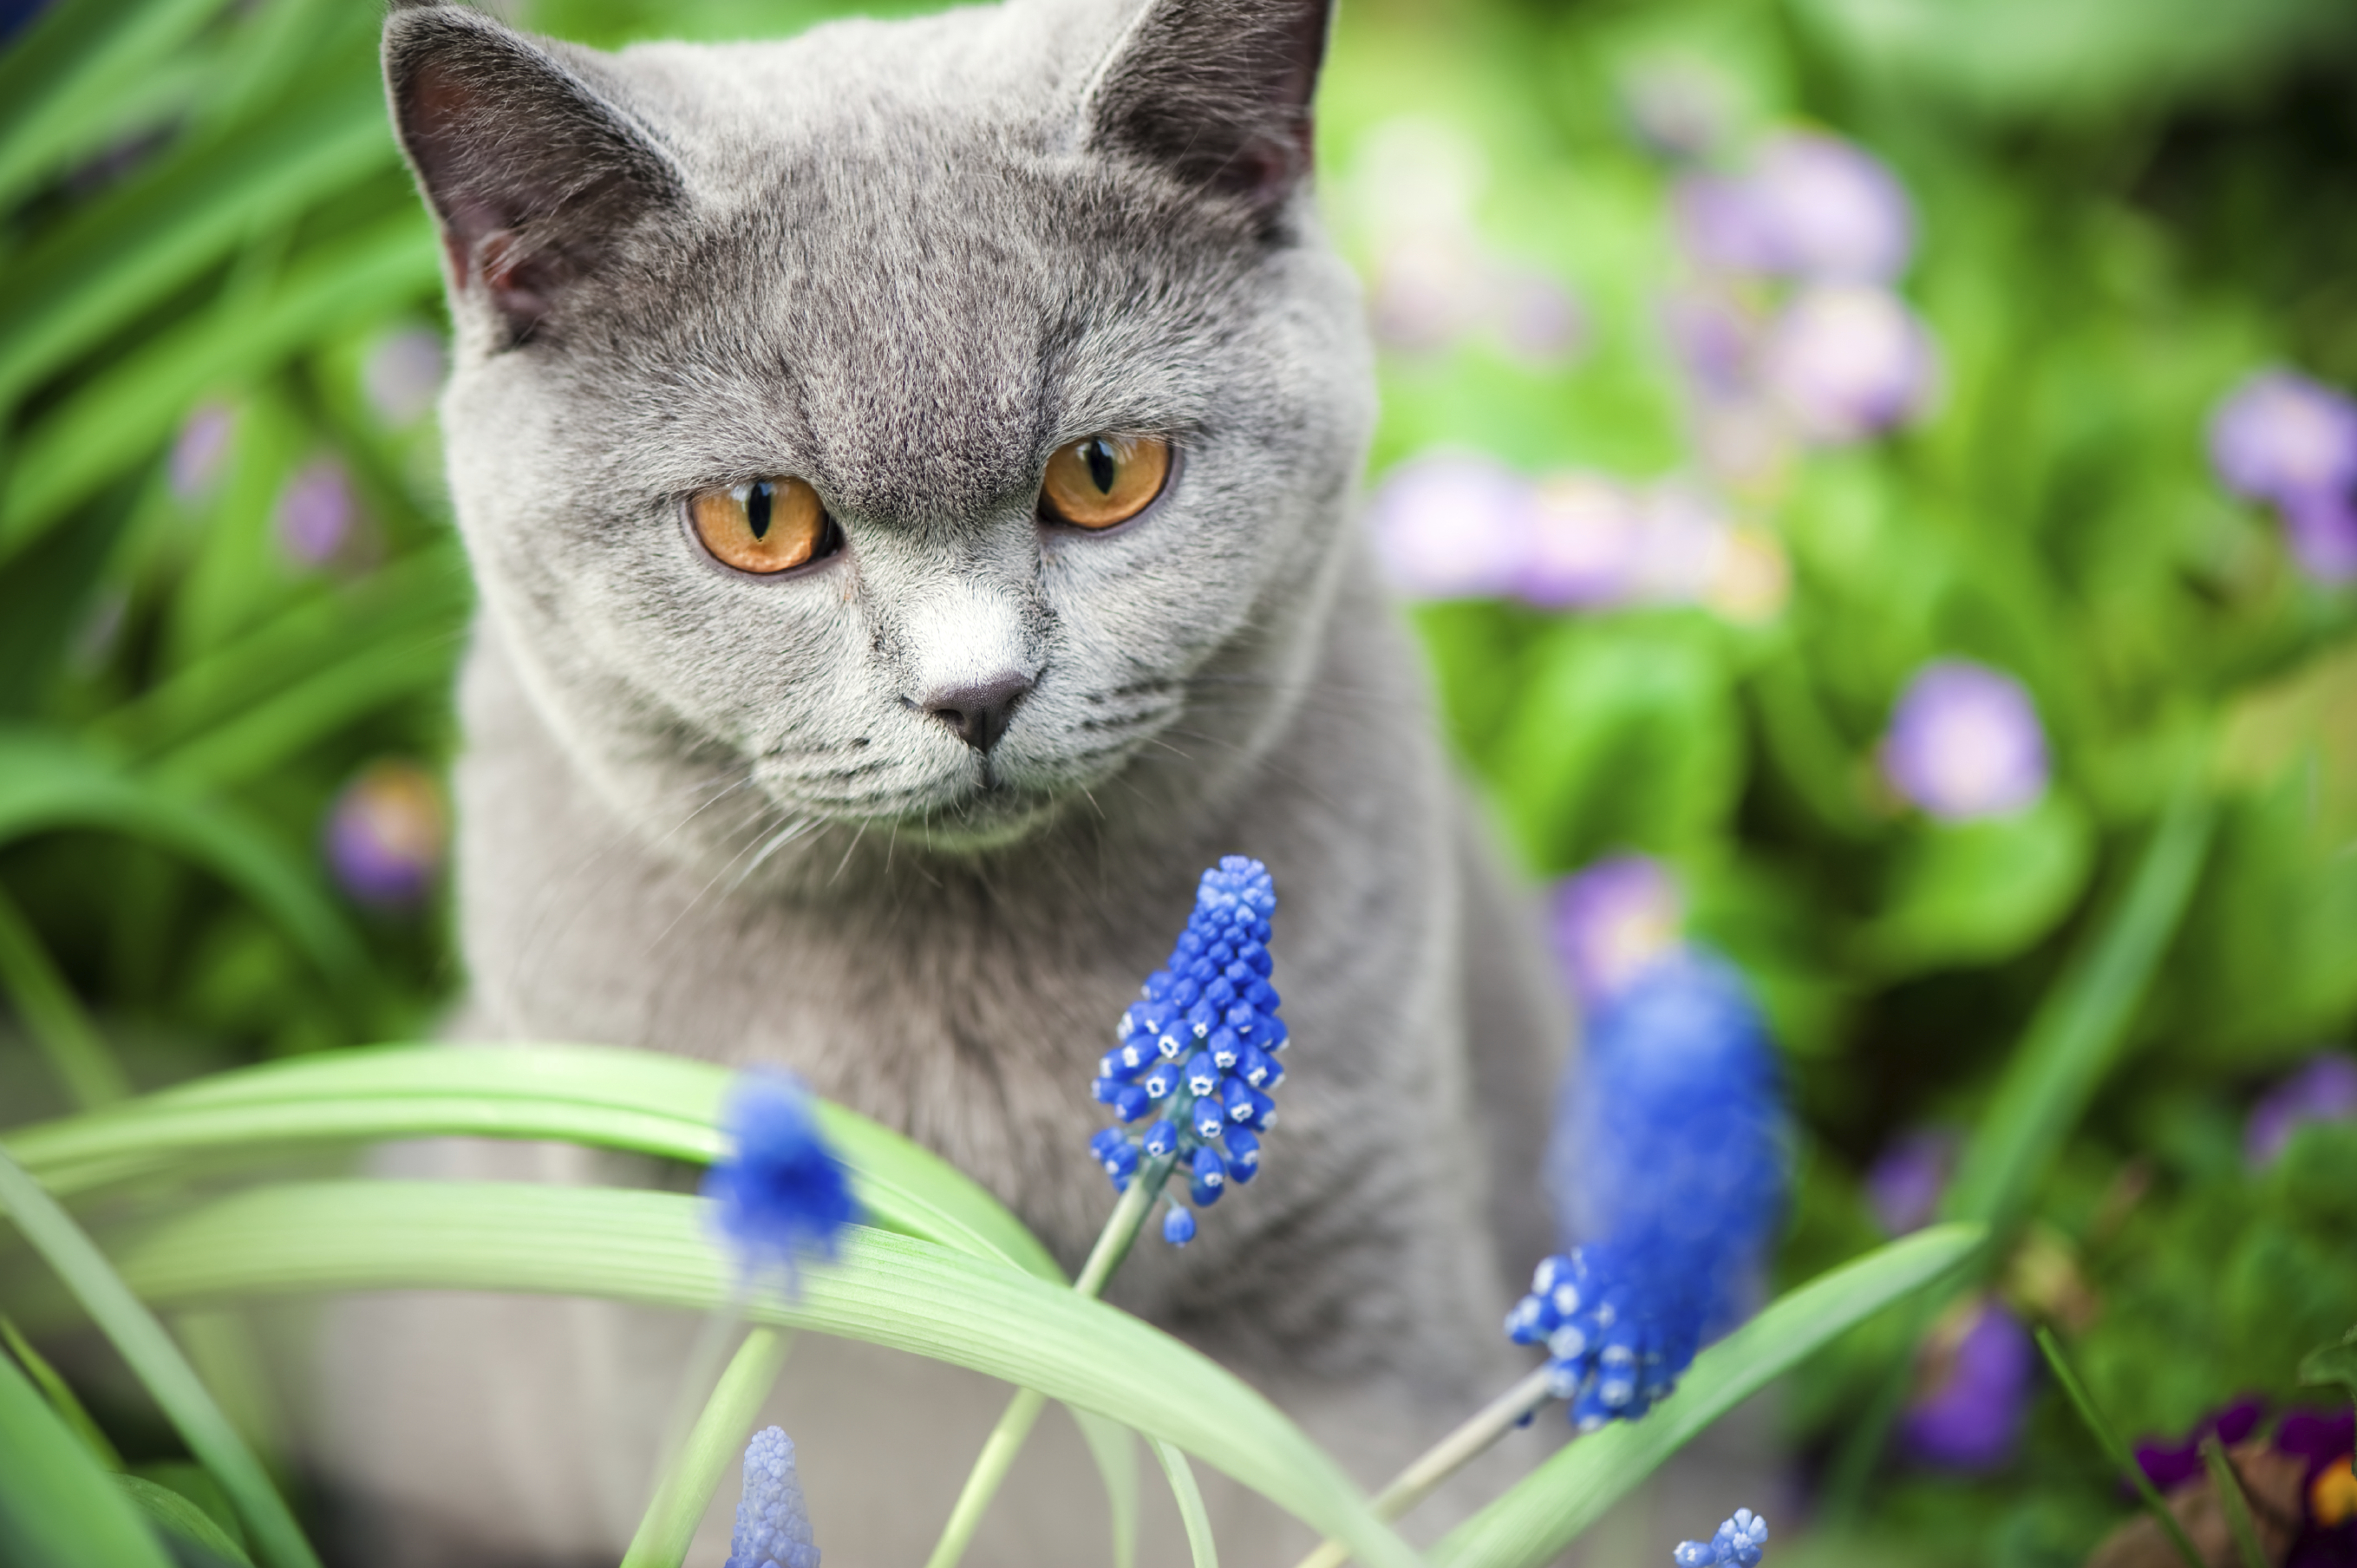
{"x":1668,"y":1157}
{"x":1611,"y":922}
{"x":1738,"y":1543}
{"x":2323,"y":533}
{"x":773,"y":1526}
{"x":200,"y":450}
{"x":2284,"y":438}
{"x":1584,"y":544}
{"x":1536,"y":318}
{"x":1680,"y":109}
{"x":1964,"y":743}
{"x":403,"y":373}
{"x":386,"y":835}
{"x":780,"y":1193}
{"x":314,"y":512}
{"x":1810,"y":207}
{"x":1449,"y":526}
{"x":1904,"y":1185}
{"x":1846,"y":362}
{"x":1969,"y":1415}
{"x":1200,"y":1053}
{"x":2323,"y":1090}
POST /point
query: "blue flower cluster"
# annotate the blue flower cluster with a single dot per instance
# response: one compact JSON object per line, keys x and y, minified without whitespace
{"x":773,"y":1526}
{"x":1668,"y":1157}
{"x":780,"y":1191}
{"x":1737,"y":1544}
{"x":1195,"y":1059}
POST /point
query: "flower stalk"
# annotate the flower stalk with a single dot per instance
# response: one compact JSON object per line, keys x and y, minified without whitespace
{"x":669,"y":1525}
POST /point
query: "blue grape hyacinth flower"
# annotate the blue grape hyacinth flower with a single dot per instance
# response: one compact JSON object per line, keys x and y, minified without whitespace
{"x":1194,"y":1059}
{"x":773,"y":1526}
{"x":1669,"y":1158}
{"x":782,"y":1193}
{"x":1741,"y":1542}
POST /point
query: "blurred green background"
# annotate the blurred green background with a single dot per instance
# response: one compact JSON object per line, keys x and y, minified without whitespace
{"x":230,"y":604}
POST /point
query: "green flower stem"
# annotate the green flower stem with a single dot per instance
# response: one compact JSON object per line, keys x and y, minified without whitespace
{"x":1190,"y":1496}
{"x":1445,"y":1458}
{"x":715,"y":1441}
{"x":2232,"y":1502}
{"x":1005,"y":1439}
{"x":60,"y":1397}
{"x":141,"y":1342}
{"x":77,"y":1053}
{"x":2114,"y":1449}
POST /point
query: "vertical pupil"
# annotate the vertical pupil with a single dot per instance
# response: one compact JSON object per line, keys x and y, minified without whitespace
{"x":1102,"y":468}
{"x":757,"y":508}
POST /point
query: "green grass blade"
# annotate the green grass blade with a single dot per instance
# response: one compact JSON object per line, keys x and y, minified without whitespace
{"x":2108,"y":1439}
{"x":284,"y":727}
{"x":59,"y":1025}
{"x":142,"y":1343}
{"x":91,"y":275}
{"x":2233,"y":1503}
{"x":62,"y":81}
{"x":653,"y":1248}
{"x":612,"y":1097}
{"x":1189,"y":1498}
{"x":716,"y":1441}
{"x":1113,"y":1447}
{"x":118,"y":420}
{"x":2079,"y":1028}
{"x":422,"y":592}
{"x":174,"y":1513}
{"x":1550,"y":1506}
{"x":56,"y":1504}
{"x":48,"y":782}
{"x":60,"y":1396}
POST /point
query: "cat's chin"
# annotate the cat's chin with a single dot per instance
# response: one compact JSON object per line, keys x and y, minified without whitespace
{"x":992,"y":818}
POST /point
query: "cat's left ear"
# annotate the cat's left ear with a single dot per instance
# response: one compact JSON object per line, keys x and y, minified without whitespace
{"x":1217,"y":93}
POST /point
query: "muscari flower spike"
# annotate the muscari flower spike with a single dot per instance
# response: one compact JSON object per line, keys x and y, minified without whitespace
{"x":773,"y":1526}
{"x":1194,"y":1059}
{"x":782,"y":1193}
{"x":1739,"y":1542}
{"x":1669,"y":1154}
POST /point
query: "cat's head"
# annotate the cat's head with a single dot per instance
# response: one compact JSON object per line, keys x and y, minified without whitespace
{"x":934,"y":424}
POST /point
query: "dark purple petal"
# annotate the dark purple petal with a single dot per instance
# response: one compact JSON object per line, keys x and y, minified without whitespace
{"x":1904,"y":1185}
{"x":1971,"y":1419}
{"x":2324,"y":1089}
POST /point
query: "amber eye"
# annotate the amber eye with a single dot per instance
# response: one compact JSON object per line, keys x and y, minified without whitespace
{"x":1105,"y":479}
{"x":767,"y":526}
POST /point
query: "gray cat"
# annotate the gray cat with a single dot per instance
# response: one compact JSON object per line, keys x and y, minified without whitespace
{"x":907,"y":470}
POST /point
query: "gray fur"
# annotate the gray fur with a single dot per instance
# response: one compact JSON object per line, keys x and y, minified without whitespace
{"x":709,"y":814}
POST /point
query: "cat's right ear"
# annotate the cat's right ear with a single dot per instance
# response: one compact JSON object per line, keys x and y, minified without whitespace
{"x":532,"y":173}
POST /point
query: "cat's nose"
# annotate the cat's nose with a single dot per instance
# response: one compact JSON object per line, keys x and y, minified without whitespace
{"x":979,"y":713}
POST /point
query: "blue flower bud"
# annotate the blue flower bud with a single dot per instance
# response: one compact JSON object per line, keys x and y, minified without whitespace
{"x":1255,"y":958}
{"x":1185,"y":994}
{"x":1255,"y":1067}
{"x":1244,"y":1155}
{"x":1161,"y":1139}
{"x":1263,"y":1113}
{"x":1202,"y":1078}
{"x":1240,"y":1100}
{"x":1161,"y":1081}
{"x":1132,"y":1101}
{"x":1106,"y":1141}
{"x":1262,"y":995}
{"x":1269,"y":1033}
{"x":1209,"y":1119}
{"x":1203,"y":972}
{"x":1172,"y":1043}
{"x":773,"y":1528}
{"x":1104,"y":1090}
{"x":1226,"y":1050}
{"x":1201,"y":1018}
{"x":1222,"y":954}
{"x":1209,"y":1175}
{"x":1121,"y":1163}
{"x":1221,"y":993}
{"x":1521,"y":1322}
{"x":1178,"y":1226}
{"x":1134,"y":1054}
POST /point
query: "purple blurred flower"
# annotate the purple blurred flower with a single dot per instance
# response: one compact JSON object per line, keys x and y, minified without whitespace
{"x":2325,"y":1090}
{"x":1428,"y":292}
{"x":1965,"y":742}
{"x":773,"y":1524}
{"x":386,"y":834}
{"x":1811,"y":206}
{"x":1837,"y":213}
{"x":201,"y":449}
{"x":1845,"y":363}
{"x":1613,"y":921}
{"x":2318,"y":1437}
{"x":315,"y":513}
{"x":2168,"y":1465}
{"x":1904,"y":1185}
{"x":1714,"y":332}
{"x":2282,"y":437}
{"x":2323,"y":533}
{"x":403,"y":374}
{"x":1970,"y":1415}
{"x":1584,"y":541}
{"x":1683,"y":548}
{"x":1453,"y":526}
